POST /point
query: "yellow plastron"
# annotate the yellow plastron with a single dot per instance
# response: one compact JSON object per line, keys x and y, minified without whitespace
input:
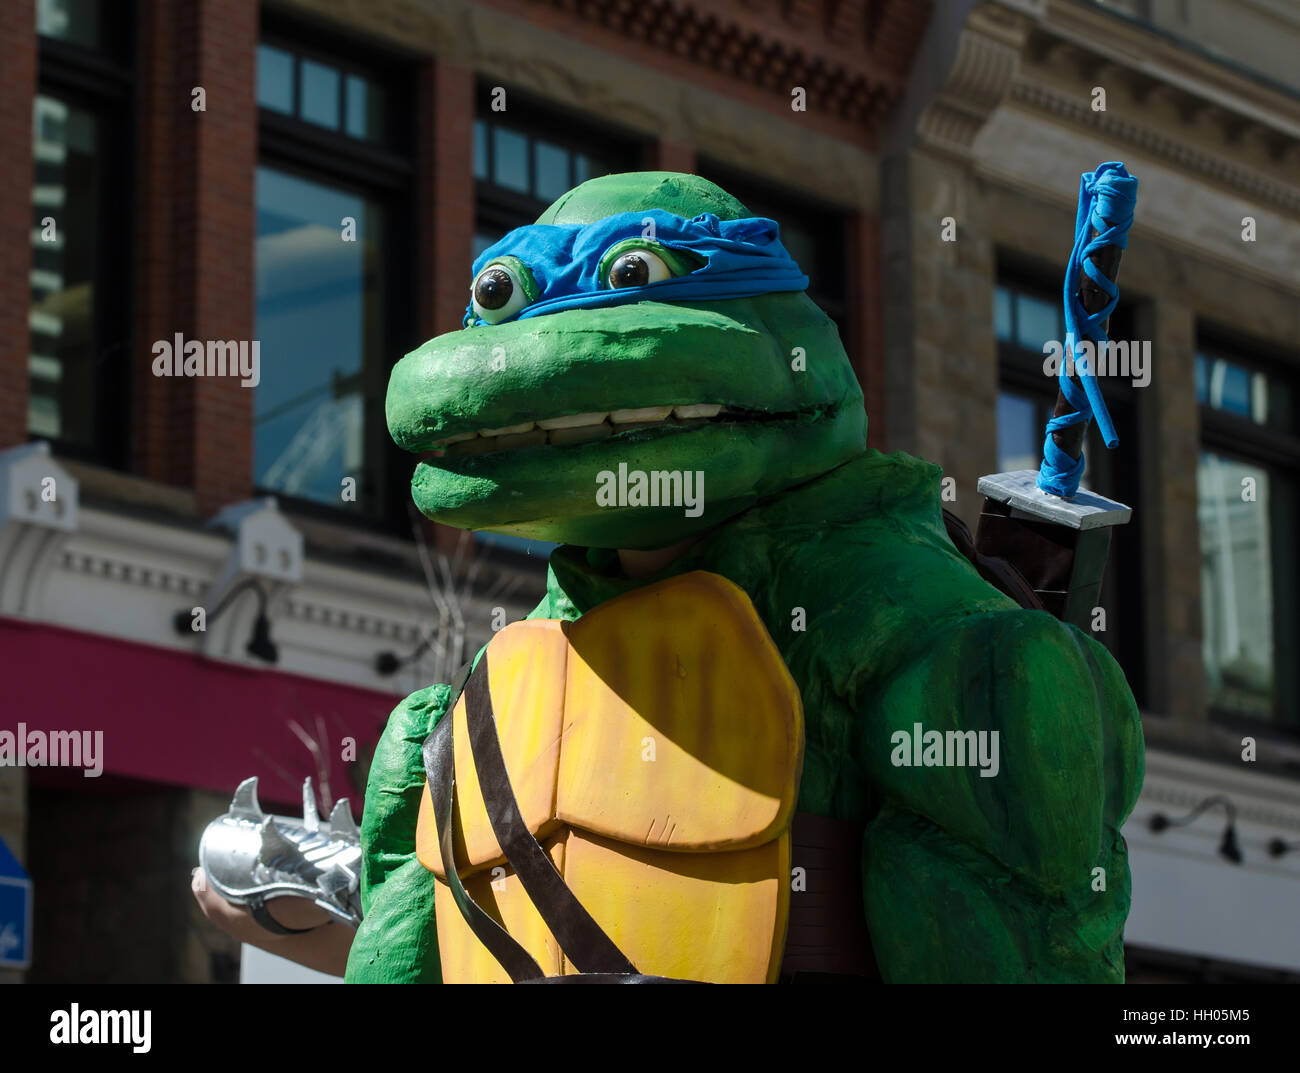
{"x":654,"y":747}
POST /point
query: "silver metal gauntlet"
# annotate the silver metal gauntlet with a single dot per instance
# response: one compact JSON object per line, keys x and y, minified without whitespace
{"x":250,"y":858}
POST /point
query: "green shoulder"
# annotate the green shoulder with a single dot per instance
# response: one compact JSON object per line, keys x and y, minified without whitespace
{"x":397,"y":940}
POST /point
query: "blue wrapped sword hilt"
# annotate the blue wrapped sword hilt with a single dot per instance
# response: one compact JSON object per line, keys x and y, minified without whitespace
{"x":1107,"y":200}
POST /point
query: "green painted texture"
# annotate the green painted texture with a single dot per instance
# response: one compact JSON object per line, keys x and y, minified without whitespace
{"x":965,"y":878}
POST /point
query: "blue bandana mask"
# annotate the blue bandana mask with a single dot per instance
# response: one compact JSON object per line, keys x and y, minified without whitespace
{"x":566,"y":266}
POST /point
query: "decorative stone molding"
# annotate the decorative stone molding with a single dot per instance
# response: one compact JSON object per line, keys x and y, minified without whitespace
{"x":1218,"y":122}
{"x":1225,"y":127}
{"x":127,"y":577}
{"x":1219,"y":169}
{"x":1177,"y":784}
{"x":852,"y":55}
{"x":134,"y":574}
{"x":988,"y":60}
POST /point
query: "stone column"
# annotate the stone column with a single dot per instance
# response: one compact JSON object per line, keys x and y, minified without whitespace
{"x":942,"y":375}
{"x":1171,"y":555}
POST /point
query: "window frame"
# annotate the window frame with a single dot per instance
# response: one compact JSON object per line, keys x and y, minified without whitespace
{"x":102,"y":82}
{"x":386,"y":175}
{"x":536,"y":118}
{"x":1278,"y":451}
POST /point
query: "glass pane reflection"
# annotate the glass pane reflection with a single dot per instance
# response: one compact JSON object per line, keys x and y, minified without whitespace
{"x":1236,"y":584}
{"x":319,"y":94}
{"x":275,"y":79}
{"x":318,"y":317}
{"x":65,"y":211}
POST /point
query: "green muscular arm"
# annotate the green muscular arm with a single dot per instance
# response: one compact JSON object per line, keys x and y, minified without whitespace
{"x":992,"y":879}
{"x":397,"y":941}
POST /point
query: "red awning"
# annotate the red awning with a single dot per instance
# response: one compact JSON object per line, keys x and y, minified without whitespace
{"x":175,"y":717}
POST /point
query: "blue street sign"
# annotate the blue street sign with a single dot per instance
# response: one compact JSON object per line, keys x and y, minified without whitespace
{"x":15,"y":912}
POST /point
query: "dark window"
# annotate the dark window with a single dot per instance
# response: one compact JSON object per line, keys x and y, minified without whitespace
{"x":79,"y":356}
{"x":1248,"y":483}
{"x":334,"y":303}
{"x":335,"y":95}
{"x":812,"y":233}
{"x":79,"y":22}
{"x":528,"y":155}
{"x":1027,"y":314}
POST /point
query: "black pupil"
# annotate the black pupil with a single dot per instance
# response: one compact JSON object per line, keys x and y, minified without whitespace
{"x":630,"y":270}
{"x":493,"y":289}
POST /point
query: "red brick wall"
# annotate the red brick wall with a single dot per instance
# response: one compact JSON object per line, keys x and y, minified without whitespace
{"x":446,"y":175}
{"x":446,"y":213}
{"x":664,"y":155}
{"x":17,"y":88}
{"x":195,"y":233}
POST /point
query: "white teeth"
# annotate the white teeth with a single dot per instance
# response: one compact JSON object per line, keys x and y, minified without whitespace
{"x":572,"y":421}
{"x":643,"y":413}
{"x":535,"y":438}
{"x":573,"y":428}
{"x":702,"y":409}
{"x":509,"y":430}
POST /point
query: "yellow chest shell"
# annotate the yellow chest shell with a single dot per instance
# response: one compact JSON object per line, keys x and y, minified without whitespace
{"x":654,"y":747}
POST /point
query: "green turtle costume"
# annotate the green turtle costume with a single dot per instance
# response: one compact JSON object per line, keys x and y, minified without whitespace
{"x":1011,"y":869}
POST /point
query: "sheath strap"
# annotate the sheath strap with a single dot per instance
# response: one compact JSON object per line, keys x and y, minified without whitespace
{"x":583,"y":941}
{"x":263,"y":916}
{"x":440,"y":768}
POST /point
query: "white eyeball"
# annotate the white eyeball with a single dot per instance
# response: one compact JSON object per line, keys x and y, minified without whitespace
{"x":636,"y":268}
{"x":497,"y":294}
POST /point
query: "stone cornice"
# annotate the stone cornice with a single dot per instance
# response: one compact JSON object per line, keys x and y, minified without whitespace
{"x":1175,"y":104}
{"x":852,"y":56}
{"x":1151,"y":59}
{"x":1217,"y":167}
{"x":985,"y":67}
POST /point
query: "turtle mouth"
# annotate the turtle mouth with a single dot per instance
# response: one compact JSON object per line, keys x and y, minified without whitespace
{"x":587,"y":427}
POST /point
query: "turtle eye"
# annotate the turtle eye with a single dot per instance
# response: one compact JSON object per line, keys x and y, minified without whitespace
{"x":497,"y":294}
{"x":636,"y":268}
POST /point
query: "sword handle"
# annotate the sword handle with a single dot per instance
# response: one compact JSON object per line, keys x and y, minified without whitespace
{"x":1092,"y":298}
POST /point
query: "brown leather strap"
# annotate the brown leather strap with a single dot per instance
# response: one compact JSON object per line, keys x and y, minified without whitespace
{"x":583,"y":941}
{"x":827,"y":932}
{"x":440,"y":769}
{"x":1001,"y":573}
{"x":259,"y":912}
